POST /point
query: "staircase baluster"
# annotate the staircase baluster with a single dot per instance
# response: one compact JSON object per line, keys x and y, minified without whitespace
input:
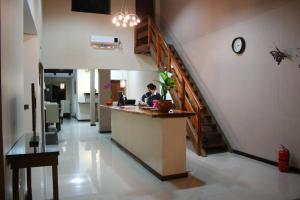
{"x":183,"y":95}
{"x":169,"y":61}
{"x":149,"y":32}
{"x":201,"y":150}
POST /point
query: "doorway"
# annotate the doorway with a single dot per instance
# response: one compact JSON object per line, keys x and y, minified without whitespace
{"x":115,"y":89}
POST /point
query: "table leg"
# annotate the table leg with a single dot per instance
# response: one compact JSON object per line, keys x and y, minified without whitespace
{"x":16,"y":184}
{"x":55,"y":182}
{"x":29,"y":191}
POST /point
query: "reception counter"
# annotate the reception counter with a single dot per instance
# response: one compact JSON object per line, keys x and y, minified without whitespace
{"x":156,"y":140}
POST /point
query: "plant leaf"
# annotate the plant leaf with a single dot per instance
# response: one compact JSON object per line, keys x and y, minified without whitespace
{"x":163,"y":75}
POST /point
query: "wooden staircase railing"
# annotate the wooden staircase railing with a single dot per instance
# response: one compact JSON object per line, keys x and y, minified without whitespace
{"x":148,"y":39}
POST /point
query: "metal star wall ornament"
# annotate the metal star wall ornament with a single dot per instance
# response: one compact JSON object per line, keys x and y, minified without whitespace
{"x":278,"y":55}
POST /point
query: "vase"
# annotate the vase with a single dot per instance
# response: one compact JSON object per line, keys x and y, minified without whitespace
{"x":165,"y":106}
{"x":109,"y":102}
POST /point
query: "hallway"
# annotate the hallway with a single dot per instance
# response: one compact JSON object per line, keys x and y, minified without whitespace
{"x":91,"y":167}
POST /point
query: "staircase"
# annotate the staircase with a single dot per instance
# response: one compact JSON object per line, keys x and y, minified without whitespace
{"x":202,"y":129}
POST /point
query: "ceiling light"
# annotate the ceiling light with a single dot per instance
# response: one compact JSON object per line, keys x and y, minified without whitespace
{"x":62,"y":86}
{"x":122,"y":84}
{"x":125,"y":18}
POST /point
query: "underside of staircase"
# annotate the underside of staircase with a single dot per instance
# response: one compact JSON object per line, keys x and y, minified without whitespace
{"x":203,"y":129}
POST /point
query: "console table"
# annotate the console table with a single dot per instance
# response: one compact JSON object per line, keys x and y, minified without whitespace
{"x":23,"y":156}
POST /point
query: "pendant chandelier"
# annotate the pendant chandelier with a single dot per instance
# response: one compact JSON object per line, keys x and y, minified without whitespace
{"x":124,"y":18}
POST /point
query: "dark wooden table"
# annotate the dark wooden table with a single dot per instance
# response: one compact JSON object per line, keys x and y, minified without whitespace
{"x":23,"y":156}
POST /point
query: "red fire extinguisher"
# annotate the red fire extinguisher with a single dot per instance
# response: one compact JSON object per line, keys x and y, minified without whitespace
{"x":283,"y":159}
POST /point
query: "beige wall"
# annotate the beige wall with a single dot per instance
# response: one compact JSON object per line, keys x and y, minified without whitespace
{"x":31,"y":58}
{"x":66,"y":37}
{"x":11,"y":77}
{"x":19,"y":66}
{"x":255,"y":101}
{"x":31,"y":75}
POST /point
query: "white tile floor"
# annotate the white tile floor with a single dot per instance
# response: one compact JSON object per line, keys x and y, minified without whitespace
{"x":91,"y":167}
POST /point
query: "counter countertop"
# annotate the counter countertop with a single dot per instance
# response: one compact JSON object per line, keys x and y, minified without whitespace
{"x":86,"y":102}
{"x":148,"y":111}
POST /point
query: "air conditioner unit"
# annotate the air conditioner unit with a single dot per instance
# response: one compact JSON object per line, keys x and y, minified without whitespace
{"x":104,"y":42}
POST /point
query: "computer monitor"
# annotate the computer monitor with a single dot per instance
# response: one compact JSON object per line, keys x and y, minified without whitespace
{"x":130,"y":102}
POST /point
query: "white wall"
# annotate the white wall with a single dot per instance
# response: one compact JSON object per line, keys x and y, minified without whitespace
{"x":66,"y":39}
{"x":83,"y":86}
{"x":136,"y":86}
{"x":255,"y":101}
{"x":83,"y":83}
{"x":119,"y":74}
{"x":137,"y":83}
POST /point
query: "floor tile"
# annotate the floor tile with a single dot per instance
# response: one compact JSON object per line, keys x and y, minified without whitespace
{"x":91,"y":167}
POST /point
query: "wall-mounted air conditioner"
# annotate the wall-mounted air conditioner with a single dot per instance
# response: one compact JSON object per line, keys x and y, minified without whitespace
{"x":104,"y":42}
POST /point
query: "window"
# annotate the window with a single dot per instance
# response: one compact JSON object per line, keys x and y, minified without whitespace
{"x":91,"y":6}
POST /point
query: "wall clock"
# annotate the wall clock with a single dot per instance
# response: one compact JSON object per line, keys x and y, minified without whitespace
{"x":238,"y":45}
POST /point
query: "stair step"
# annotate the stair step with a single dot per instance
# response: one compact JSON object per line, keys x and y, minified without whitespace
{"x":215,"y":149}
{"x":142,"y":49}
{"x":211,"y":134}
{"x":142,"y":35}
{"x":209,"y":129}
{"x":207,"y":120}
{"x":211,"y":124}
{"x":206,"y":114}
{"x":186,"y":73}
{"x":199,"y":96}
{"x":215,"y":145}
{"x":213,"y":140}
{"x":204,"y":109}
{"x":142,"y":24}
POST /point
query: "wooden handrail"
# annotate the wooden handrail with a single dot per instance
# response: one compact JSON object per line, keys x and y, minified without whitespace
{"x":159,"y":40}
{"x":188,"y":97}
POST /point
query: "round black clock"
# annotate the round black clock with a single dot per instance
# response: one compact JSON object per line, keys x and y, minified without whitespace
{"x":238,"y":45}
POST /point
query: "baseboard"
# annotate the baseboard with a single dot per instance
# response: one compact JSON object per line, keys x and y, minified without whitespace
{"x":81,"y":120}
{"x":150,"y":169}
{"x":270,"y":162}
{"x":67,"y":115}
{"x":103,"y":132}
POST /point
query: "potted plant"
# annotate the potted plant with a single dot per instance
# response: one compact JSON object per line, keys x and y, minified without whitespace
{"x":109,"y":101}
{"x":167,"y":83}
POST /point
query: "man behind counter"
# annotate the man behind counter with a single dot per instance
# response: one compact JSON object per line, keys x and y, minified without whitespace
{"x":151,"y":95}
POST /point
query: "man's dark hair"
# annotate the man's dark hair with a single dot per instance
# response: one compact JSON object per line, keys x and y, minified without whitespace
{"x":151,"y":86}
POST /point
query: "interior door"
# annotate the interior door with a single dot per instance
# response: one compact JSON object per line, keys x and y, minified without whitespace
{"x":115,"y":89}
